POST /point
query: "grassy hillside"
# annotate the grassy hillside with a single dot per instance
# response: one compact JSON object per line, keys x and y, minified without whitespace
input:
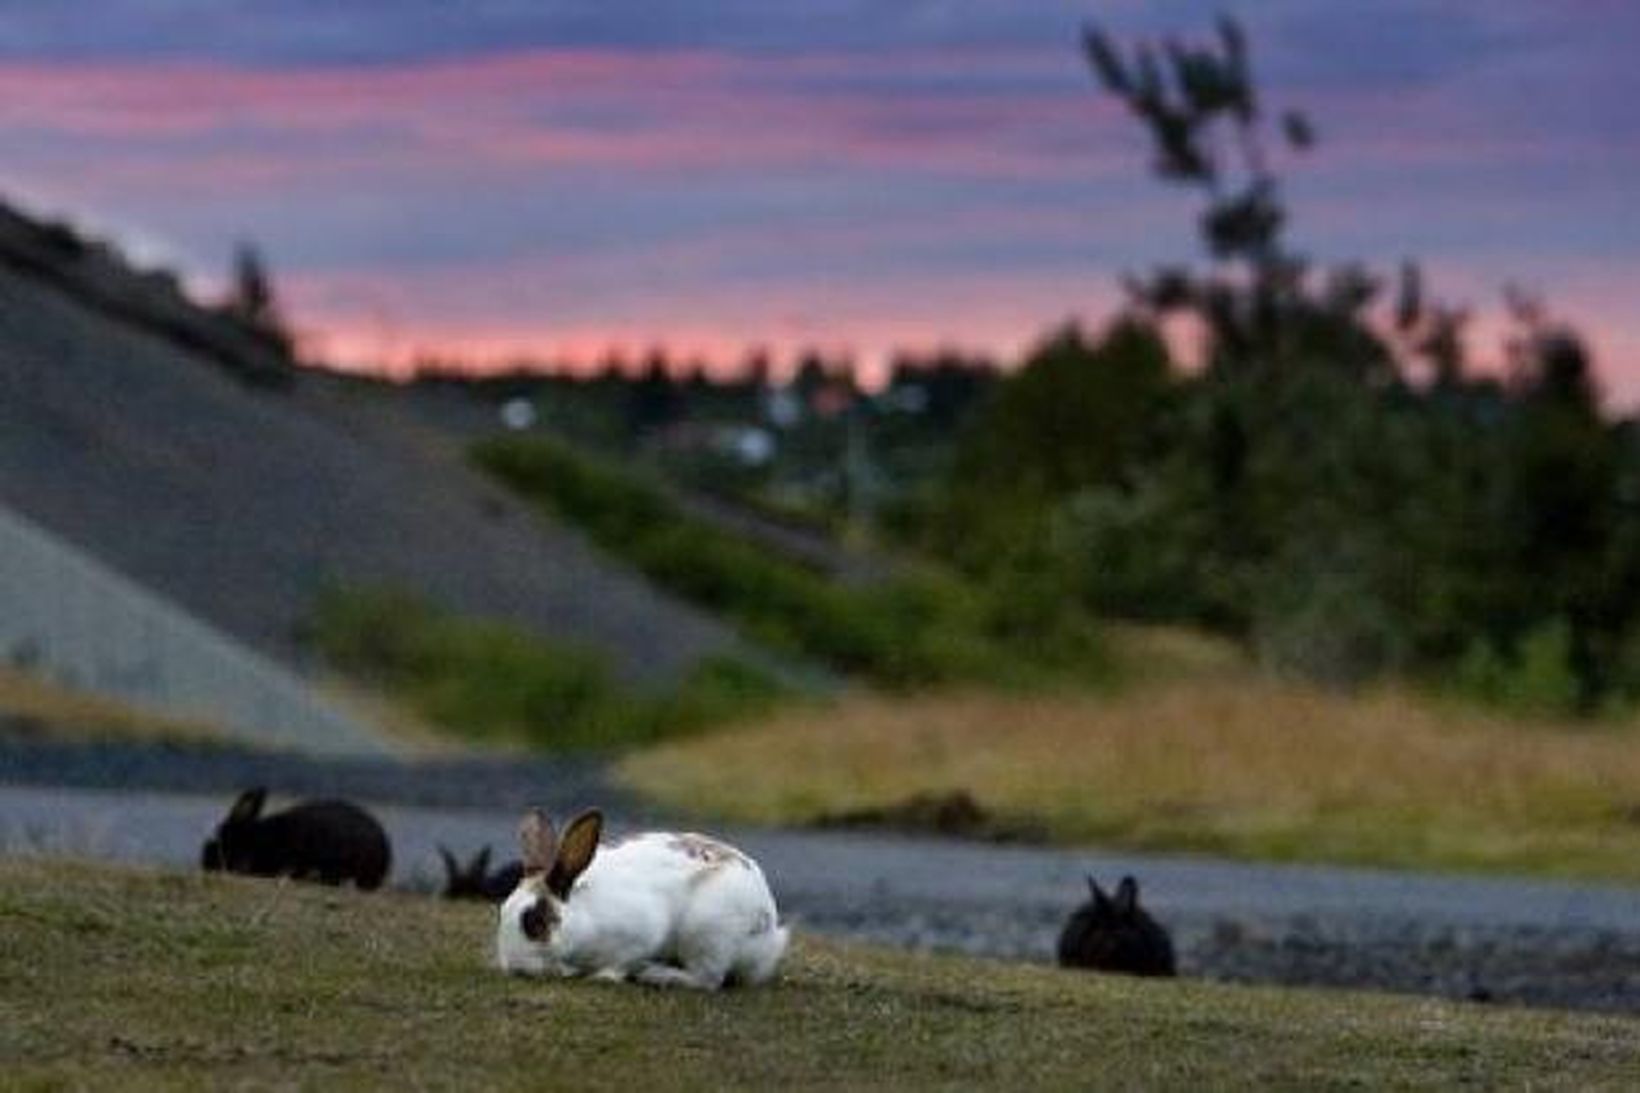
{"x":922,"y":626}
{"x":489,"y":683}
{"x":1216,"y":760}
{"x":140,"y":980}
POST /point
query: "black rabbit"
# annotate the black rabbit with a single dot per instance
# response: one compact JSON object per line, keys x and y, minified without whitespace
{"x":1114,"y":934}
{"x":329,"y":841}
{"x":475,"y":881}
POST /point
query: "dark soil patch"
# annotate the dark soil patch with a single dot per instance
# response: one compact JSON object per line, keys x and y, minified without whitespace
{"x":955,"y":813}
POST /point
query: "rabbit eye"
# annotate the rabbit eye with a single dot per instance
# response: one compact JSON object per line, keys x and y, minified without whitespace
{"x":537,"y":920}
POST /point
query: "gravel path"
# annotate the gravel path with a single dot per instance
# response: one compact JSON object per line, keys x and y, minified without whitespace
{"x":500,"y":784}
{"x":1482,"y":939}
{"x":1507,"y":941}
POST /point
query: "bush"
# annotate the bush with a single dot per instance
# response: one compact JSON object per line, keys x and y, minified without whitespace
{"x":1535,"y":678}
{"x":719,"y":690}
{"x":493,"y":682}
{"x":921,"y":626}
{"x":1138,"y":553}
{"x":1328,"y":625}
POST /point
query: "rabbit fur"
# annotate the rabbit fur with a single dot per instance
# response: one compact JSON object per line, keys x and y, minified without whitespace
{"x":475,"y":880}
{"x":329,"y":841}
{"x":1114,"y":934}
{"x":663,"y":908}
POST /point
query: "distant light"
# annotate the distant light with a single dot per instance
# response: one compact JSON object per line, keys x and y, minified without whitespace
{"x":518,"y":414}
{"x":754,"y":447}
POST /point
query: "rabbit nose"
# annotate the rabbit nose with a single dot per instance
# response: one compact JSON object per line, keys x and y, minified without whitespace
{"x":536,"y":920}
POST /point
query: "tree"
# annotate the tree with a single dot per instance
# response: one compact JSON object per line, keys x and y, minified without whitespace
{"x":1210,"y":131}
{"x":1354,"y":519}
{"x":655,"y":400}
{"x":1339,"y":485}
{"x":1077,"y":414}
{"x":251,"y":297}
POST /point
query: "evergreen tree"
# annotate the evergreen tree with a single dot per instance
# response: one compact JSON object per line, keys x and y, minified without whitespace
{"x":251,"y":297}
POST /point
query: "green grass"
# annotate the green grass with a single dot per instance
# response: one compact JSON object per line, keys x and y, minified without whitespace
{"x":130,"y":979}
{"x":494,"y":683}
{"x":923,"y":626}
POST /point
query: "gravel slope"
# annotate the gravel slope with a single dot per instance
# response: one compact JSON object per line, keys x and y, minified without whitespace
{"x":240,"y":503}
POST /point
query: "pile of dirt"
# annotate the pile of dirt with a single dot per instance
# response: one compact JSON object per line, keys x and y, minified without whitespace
{"x":955,"y":813}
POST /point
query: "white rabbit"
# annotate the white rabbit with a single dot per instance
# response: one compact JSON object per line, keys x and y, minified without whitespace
{"x":661,"y":908}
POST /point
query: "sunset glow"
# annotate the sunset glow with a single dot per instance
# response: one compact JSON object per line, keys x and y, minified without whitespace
{"x":559,"y":181}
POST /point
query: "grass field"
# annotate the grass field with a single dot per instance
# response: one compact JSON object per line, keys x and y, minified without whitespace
{"x":127,"y":979}
{"x":1205,"y":759}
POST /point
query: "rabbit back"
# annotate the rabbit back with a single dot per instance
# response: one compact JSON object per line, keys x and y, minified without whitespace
{"x":1140,"y":947}
{"x":329,"y":841}
{"x":673,"y":899}
{"x":1115,"y":934}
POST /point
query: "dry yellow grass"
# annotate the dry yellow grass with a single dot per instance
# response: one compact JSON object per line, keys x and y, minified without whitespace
{"x":56,"y":712}
{"x":1229,"y":763}
{"x":47,"y":710}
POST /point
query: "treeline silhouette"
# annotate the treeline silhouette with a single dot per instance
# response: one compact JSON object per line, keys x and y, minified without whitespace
{"x":658,"y":390}
{"x":1336,"y":482}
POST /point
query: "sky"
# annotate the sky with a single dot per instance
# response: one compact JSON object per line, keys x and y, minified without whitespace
{"x":560,"y":178}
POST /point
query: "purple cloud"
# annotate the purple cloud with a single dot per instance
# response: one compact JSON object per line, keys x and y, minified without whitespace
{"x":569,"y":174}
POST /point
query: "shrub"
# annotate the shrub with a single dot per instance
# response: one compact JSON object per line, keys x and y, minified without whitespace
{"x":1535,"y":678}
{"x":493,"y":682}
{"x":920,"y":626}
{"x":718,"y":690}
{"x":1328,"y":625}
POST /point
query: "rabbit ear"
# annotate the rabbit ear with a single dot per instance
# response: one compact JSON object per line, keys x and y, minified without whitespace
{"x":539,"y":841}
{"x":481,"y":863}
{"x":451,"y":869}
{"x":249,"y":805}
{"x":1127,"y":896}
{"x":575,"y":854}
{"x":1098,"y":893}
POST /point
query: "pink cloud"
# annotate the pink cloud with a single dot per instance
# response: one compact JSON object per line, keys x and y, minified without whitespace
{"x":363,"y":321}
{"x":176,"y":136}
{"x":681,"y":110}
{"x":360,"y":321}
{"x":115,"y":99}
